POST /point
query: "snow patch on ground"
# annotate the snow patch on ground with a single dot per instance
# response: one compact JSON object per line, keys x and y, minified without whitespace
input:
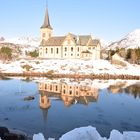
{"x":90,"y":133}
{"x":69,"y":66}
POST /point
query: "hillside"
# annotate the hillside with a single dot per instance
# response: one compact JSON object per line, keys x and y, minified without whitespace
{"x":131,"y":40}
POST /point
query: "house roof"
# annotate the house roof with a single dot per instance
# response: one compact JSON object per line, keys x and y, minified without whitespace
{"x":93,"y":42}
{"x":84,"y":40}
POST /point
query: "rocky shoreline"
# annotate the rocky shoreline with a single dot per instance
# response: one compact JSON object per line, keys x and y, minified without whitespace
{"x":7,"y":134}
{"x":75,"y":76}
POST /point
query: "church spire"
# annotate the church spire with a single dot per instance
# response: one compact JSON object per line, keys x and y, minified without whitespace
{"x":46,"y":23}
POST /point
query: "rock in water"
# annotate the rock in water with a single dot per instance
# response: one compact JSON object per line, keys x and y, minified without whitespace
{"x":29,"y":98}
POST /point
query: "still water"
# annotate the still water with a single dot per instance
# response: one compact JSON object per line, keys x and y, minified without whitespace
{"x":64,"y":104}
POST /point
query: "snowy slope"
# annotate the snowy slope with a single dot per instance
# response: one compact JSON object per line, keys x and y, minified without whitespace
{"x":34,"y":42}
{"x":104,"y":43}
{"x":132,"y":40}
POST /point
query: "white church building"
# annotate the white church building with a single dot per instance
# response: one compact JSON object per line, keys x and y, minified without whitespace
{"x":68,"y":46}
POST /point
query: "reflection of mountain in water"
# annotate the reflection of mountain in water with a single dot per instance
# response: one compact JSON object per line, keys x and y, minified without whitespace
{"x":122,"y":87}
{"x":69,"y":94}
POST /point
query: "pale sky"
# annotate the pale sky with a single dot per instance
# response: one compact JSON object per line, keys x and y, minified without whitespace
{"x":106,"y":19}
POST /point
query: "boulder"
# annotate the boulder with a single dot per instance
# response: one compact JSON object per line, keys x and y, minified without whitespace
{"x":3,"y":130}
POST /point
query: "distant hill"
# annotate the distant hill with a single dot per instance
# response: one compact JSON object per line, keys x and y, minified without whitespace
{"x":27,"y":41}
{"x":2,"y":39}
{"x":20,"y":45}
{"x":130,"y":41}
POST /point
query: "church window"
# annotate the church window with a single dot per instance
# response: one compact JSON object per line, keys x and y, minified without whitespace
{"x":65,"y":49}
{"x":45,"y":86}
{"x":43,"y":35}
{"x":71,"y":54}
{"x":46,"y":50}
{"x":56,"y":88}
{"x":42,"y":100}
{"x":70,"y":92}
{"x":76,"y":92}
{"x":51,"y":50}
{"x":57,"y":50}
{"x":64,"y":91}
{"x":78,"y":49}
{"x":72,"y":49}
{"x":50,"y":87}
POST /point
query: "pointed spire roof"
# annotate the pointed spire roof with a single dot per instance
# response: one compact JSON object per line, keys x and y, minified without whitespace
{"x":46,"y":23}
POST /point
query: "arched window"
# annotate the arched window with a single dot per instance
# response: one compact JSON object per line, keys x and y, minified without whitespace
{"x":46,"y":50}
{"x":56,"y":88}
{"x":72,"y":49}
{"x":50,"y":87}
{"x":78,"y":49}
{"x":57,"y":50}
{"x":45,"y":86}
{"x":51,"y":50}
{"x":70,"y":92}
{"x":65,"y":49}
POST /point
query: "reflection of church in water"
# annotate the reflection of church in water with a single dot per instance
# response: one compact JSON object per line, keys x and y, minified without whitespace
{"x":68,"y":93}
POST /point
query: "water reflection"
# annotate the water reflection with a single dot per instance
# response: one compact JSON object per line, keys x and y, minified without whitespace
{"x":69,"y":100}
{"x":101,"y":115}
{"x":126,"y":87}
{"x":68,"y":93}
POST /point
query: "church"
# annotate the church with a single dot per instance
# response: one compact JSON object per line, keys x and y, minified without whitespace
{"x":69,"y":46}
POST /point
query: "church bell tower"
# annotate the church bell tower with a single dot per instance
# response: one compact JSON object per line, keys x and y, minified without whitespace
{"x":46,"y":29}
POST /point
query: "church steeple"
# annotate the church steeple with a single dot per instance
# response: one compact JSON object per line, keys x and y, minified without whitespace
{"x":46,"y":29}
{"x":46,"y":23}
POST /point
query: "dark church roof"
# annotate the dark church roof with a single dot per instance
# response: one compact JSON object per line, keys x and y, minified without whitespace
{"x":84,"y":40}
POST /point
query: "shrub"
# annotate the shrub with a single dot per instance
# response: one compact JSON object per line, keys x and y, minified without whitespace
{"x":5,"y":53}
{"x":34,"y":53}
{"x":27,"y":67}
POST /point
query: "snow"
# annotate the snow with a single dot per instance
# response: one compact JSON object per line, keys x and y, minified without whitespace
{"x":38,"y":137}
{"x":115,"y":135}
{"x":131,"y":135}
{"x":24,"y":41}
{"x":70,"y":66}
{"x":83,"y":133}
{"x":132,"y":40}
{"x":90,"y":133}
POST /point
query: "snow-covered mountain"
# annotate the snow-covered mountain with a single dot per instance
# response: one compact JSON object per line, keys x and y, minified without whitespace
{"x":2,"y":39}
{"x":132,"y":40}
{"x":25,"y":41}
{"x":104,"y":43}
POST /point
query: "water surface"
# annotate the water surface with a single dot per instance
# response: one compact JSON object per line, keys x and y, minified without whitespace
{"x":62,"y":105}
